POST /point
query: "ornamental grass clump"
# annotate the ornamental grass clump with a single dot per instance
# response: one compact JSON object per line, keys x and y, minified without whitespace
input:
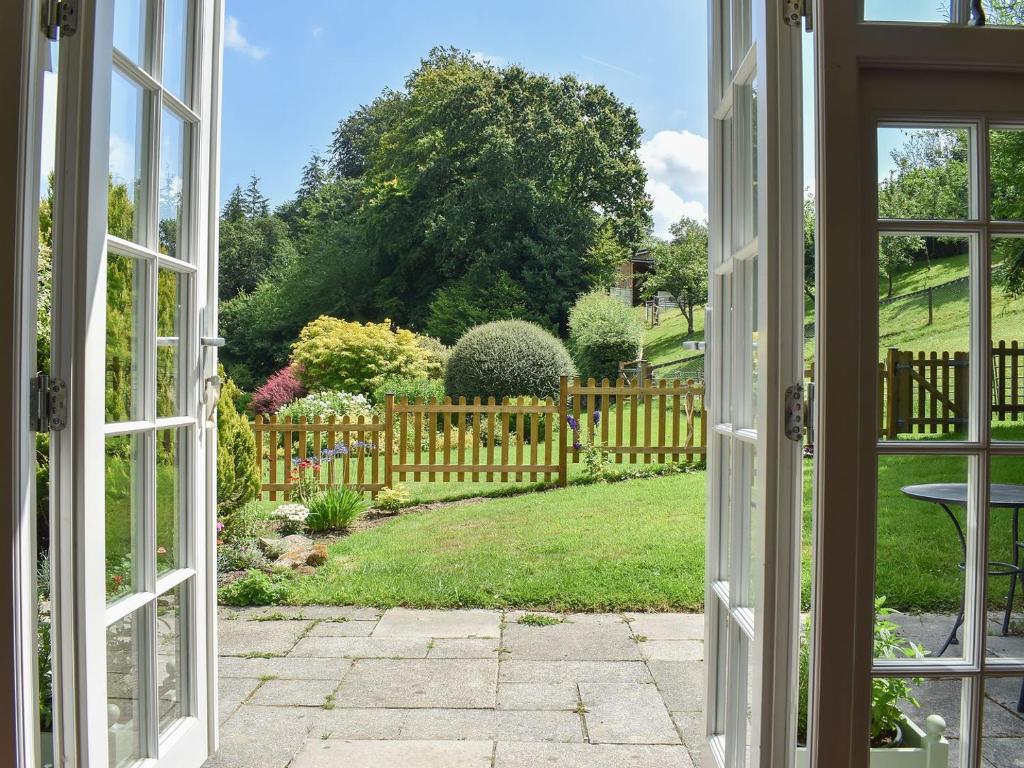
{"x":335,"y":509}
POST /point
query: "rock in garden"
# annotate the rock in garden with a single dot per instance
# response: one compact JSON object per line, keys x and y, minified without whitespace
{"x":317,"y":555}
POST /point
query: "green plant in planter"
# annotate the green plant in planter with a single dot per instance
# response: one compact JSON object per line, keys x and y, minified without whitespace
{"x":886,"y":693}
{"x":335,"y":509}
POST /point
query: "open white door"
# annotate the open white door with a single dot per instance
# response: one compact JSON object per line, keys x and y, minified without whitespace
{"x":135,"y":202}
{"x":754,"y":373}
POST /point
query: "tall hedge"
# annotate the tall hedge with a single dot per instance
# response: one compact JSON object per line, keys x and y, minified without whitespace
{"x":603,"y":332}
{"x":507,"y":358}
{"x":238,"y":477}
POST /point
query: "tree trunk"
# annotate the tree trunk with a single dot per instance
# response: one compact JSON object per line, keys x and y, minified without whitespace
{"x":687,"y":310}
{"x":889,"y":277}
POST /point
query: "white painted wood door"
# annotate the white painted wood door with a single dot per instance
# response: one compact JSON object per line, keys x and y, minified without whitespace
{"x":134,"y":236}
{"x":755,"y":342}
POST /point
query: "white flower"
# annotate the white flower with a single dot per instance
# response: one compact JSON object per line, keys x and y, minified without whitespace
{"x":294,"y":512}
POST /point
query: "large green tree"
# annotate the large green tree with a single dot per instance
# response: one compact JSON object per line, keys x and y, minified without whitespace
{"x":474,"y":193}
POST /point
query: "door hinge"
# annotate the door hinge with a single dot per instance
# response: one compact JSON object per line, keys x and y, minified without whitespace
{"x":49,"y":404}
{"x":793,"y":11}
{"x":60,"y":18}
{"x":794,"y":412}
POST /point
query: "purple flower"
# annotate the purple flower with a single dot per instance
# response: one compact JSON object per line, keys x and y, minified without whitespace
{"x":577,"y":446}
{"x":220,"y":526}
{"x":597,"y":418}
{"x":295,"y":461}
{"x":573,"y":424}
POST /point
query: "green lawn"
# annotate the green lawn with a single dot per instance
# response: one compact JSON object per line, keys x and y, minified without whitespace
{"x":632,"y":545}
{"x":637,"y":544}
{"x":664,"y":342}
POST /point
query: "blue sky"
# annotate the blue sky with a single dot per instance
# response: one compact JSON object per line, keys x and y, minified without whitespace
{"x":290,"y":76}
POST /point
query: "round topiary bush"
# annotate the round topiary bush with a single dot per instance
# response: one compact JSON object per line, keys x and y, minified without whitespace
{"x":507,"y":358}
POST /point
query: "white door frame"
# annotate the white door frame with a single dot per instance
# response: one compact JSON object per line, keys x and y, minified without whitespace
{"x":847,"y":54}
{"x":752,"y":594}
{"x":22,"y":58}
{"x":81,"y":242}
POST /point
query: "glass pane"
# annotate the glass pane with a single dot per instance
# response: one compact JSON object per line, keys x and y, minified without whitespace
{"x":172,"y":185}
{"x":924,"y":336}
{"x":1006,"y":150}
{"x":123,"y":510}
{"x":171,"y":309}
{"x":720,"y":658}
{"x":903,"y":713}
{"x":1003,"y":13}
{"x":125,"y":283}
{"x":176,"y":48}
{"x":744,"y":180}
{"x":171,"y":455}
{"x":751,"y":337}
{"x":1007,"y":338}
{"x":923,"y":173}
{"x":129,"y":127}
{"x":124,"y":706}
{"x":919,"y":571}
{"x":934,"y":11}
{"x":753,"y":527}
{"x":1006,"y":558}
{"x":170,"y":663}
{"x":725,"y":385}
{"x":131,"y":23}
{"x":729,"y":213}
{"x":1002,"y":732}
{"x":742,"y":25}
{"x":726,"y":43}
{"x":725,"y":508}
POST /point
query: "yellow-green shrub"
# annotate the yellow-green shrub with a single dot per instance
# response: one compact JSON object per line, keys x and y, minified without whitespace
{"x":238,"y":477}
{"x":353,"y":357}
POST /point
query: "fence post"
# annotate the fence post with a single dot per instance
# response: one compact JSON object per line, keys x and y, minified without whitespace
{"x":930,"y":306}
{"x":389,"y":439}
{"x":563,"y":427}
{"x":891,"y":359}
{"x":961,"y":379}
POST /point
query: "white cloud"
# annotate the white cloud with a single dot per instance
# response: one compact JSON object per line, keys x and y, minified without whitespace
{"x":122,"y":160}
{"x":677,"y":177}
{"x":487,"y":58}
{"x":235,"y":40}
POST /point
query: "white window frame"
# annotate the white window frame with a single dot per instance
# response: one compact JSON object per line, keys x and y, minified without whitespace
{"x":768,"y":617}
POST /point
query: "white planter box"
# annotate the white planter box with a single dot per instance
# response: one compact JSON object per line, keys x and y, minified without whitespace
{"x":921,"y":749}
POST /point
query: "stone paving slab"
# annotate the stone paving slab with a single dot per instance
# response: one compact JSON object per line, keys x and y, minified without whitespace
{"x":464,"y":648}
{"x":262,"y":737}
{"x":672,"y":650}
{"x":362,"y":647}
{"x":332,"y":753}
{"x":432,"y":683}
{"x":667,"y":626}
{"x":538,"y":696}
{"x":240,"y":637}
{"x":515,"y":670}
{"x":524,"y":755}
{"x":286,"y":668}
{"x":232,"y":692}
{"x":342,"y":629}
{"x":501,"y":725}
{"x":293,"y":693}
{"x":588,"y":637}
{"x":326,"y":612}
{"x":403,"y":622}
{"x":626,"y":714}
{"x":358,"y":723}
{"x":681,"y":684}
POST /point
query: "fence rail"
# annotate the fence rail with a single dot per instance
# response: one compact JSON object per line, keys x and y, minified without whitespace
{"x":511,"y":440}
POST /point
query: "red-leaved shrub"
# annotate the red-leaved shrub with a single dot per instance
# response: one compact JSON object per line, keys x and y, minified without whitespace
{"x":280,"y":389}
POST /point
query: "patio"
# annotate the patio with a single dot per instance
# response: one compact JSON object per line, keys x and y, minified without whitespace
{"x":305,"y":687}
{"x":319,"y":686}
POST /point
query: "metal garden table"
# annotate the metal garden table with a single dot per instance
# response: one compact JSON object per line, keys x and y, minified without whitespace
{"x":1001,"y":496}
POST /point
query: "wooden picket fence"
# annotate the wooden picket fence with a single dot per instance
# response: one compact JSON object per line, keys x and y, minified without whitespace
{"x":927,"y":392}
{"x":512,"y":440}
